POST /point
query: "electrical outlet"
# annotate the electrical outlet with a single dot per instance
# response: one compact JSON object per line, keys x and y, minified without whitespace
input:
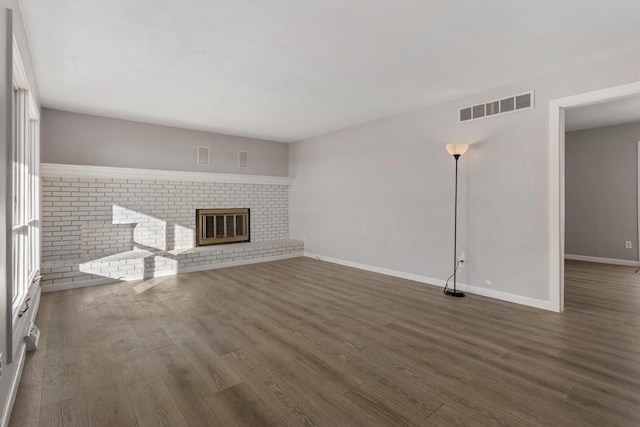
{"x":489,"y":283}
{"x":628,"y":244}
{"x":461,"y":258}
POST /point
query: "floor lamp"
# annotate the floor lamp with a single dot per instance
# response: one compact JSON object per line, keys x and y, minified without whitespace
{"x":456,"y":150}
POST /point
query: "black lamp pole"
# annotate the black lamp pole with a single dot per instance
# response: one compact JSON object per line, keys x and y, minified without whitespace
{"x":454,"y":292}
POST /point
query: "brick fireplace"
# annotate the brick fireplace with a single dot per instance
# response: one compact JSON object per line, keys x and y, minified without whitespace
{"x":99,"y":230}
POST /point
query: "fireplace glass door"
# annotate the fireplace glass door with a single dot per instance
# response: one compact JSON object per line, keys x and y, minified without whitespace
{"x":215,"y":226}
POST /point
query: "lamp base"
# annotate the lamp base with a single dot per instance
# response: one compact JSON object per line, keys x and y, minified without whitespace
{"x":452,"y":293}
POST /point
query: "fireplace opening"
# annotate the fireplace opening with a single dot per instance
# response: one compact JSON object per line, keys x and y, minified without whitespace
{"x":216,"y":226}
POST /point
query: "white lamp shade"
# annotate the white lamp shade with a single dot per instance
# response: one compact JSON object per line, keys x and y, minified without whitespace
{"x":457,"y":149}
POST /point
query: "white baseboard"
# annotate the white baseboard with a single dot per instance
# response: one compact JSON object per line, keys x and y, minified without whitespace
{"x":165,"y":273}
{"x":15,"y":382}
{"x":626,"y":262}
{"x":490,"y":293}
{"x":381,"y":270}
{"x":505,"y":296}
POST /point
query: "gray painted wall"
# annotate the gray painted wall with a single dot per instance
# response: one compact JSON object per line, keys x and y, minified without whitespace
{"x":601,"y":191}
{"x":82,"y":139}
{"x":382,"y":193}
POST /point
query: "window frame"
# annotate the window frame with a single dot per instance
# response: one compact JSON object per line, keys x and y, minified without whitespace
{"x":25,"y":207}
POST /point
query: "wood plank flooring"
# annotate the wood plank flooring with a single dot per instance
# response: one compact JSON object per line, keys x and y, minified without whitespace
{"x":302,"y":342}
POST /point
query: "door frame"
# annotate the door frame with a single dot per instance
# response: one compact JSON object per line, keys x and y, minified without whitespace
{"x":557,"y":108}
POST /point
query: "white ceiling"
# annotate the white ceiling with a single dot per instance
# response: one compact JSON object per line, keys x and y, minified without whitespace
{"x":622,"y":111}
{"x":290,"y":69}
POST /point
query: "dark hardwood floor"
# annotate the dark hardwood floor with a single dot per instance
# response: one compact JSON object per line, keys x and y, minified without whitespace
{"x":302,"y":342}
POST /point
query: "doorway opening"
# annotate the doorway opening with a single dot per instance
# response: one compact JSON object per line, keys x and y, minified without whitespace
{"x":557,"y":226}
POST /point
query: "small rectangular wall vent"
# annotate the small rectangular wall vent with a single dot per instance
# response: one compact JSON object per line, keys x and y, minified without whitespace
{"x":243,"y":159}
{"x":523,"y":101}
{"x":203,"y":156}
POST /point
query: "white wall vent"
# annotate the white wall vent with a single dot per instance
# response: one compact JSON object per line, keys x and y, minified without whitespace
{"x":243,"y":159}
{"x":203,"y":156}
{"x":511,"y":104}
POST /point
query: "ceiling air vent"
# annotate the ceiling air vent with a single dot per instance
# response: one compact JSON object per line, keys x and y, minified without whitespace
{"x":523,"y":101}
{"x":203,"y":156}
{"x":243,"y":159}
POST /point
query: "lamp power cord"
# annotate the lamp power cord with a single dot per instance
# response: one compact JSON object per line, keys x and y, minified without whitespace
{"x":446,"y":284}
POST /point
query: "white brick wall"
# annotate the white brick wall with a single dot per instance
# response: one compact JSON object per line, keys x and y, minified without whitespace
{"x":105,"y":239}
{"x":85,"y":219}
{"x":162,"y":213}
